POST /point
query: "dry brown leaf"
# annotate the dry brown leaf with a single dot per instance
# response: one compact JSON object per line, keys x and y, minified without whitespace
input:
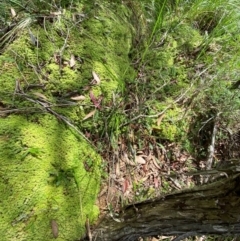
{"x":144,"y":179}
{"x":140,"y":160}
{"x":125,"y":186}
{"x":155,"y":163}
{"x":40,"y":95}
{"x":159,"y":120}
{"x":145,"y":168}
{"x":112,"y":191}
{"x":117,"y":169}
{"x":90,"y":114}
{"x":131,"y":136}
{"x":125,"y":159}
{"x":164,"y":237}
{"x":57,"y":58}
{"x":54,"y":227}
{"x":96,"y":78}
{"x":78,"y":97}
{"x":13,"y":12}
{"x":72,"y":61}
{"x":156,"y":183}
{"x":176,"y":183}
{"x":95,"y":100}
{"x":103,"y":191}
{"x":56,"y":13}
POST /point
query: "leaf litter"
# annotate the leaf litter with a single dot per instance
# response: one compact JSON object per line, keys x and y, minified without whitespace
{"x":96,"y":80}
{"x":152,"y":171}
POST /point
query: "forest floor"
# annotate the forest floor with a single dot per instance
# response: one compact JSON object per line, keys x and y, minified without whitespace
{"x":142,"y":164}
{"x":161,"y":113}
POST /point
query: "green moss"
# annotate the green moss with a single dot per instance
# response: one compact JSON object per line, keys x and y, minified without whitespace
{"x":187,"y":37}
{"x":171,"y":127}
{"x":48,"y":172}
{"x":43,"y":177}
{"x":100,"y":43}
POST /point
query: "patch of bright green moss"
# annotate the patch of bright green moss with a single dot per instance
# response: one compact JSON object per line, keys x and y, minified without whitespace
{"x":44,"y":178}
{"x":171,"y":127}
{"x":186,"y":36}
{"x":100,"y":42}
{"x":48,"y":172}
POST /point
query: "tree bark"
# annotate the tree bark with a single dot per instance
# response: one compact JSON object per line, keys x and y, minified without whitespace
{"x":210,"y":209}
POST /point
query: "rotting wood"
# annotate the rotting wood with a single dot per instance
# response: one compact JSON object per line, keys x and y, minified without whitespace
{"x":209,"y":209}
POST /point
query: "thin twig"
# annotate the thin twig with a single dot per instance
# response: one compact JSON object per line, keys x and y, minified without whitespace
{"x":211,"y":148}
{"x":33,"y":109}
{"x":185,"y":235}
{"x":20,"y":110}
{"x":88,"y":230}
{"x":47,"y":107}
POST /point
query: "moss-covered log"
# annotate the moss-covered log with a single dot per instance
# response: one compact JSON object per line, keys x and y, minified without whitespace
{"x":208,"y":209}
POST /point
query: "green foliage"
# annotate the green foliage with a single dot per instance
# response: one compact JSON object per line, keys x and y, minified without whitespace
{"x":34,"y":151}
{"x":60,"y":166}
{"x":185,"y":54}
{"x":182,"y":36}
